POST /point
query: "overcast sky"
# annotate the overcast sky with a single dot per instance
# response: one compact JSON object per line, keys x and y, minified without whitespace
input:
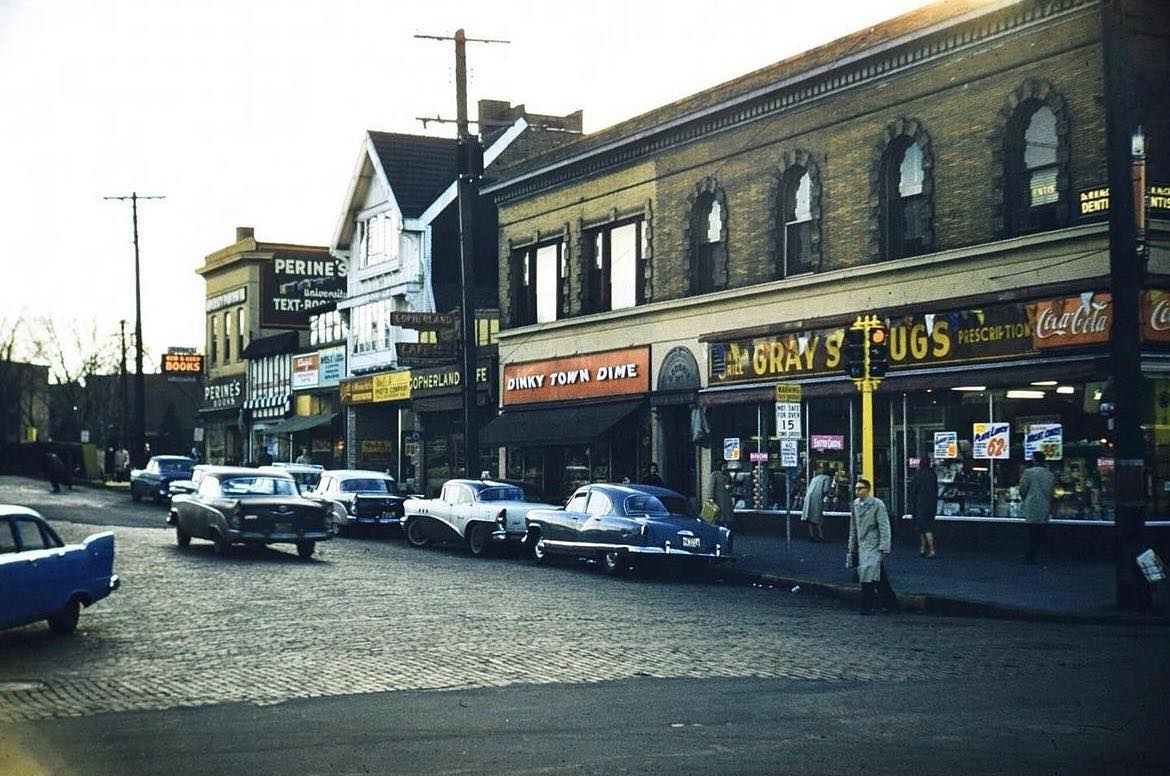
{"x":251,"y":113}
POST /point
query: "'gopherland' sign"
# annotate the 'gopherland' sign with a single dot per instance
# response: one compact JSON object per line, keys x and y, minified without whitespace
{"x":614,"y":373}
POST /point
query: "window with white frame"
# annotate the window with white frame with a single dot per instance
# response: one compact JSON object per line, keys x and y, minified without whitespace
{"x":371,"y":327}
{"x":326,"y":327}
{"x":380,"y":239}
{"x":612,"y":269}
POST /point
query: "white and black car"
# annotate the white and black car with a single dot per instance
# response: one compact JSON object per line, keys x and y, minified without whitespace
{"x":480,"y":513}
{"x":356,"y":497}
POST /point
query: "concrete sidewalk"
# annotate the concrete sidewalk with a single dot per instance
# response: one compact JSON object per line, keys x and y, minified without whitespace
{"x":960,"y":582}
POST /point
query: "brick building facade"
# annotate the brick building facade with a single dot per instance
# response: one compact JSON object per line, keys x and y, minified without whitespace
{"x":929,"y":170}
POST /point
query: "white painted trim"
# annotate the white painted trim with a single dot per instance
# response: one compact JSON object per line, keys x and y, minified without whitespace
{"x":504,"y":140}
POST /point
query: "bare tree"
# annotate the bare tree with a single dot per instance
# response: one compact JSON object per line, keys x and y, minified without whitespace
{"x":23,"y":402}
{"x":82,"y":362}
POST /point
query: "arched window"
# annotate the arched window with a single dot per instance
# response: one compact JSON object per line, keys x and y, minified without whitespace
{"x":796,"y":211}
{"x":905,"y":208}
{"x":708,"y":240}
{"x":1031,"y":181}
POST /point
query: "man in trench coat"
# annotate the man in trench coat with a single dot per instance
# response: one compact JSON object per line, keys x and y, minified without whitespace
{"x":869,"y":544}
{"x":813,"y":512}
{"x":1037,"y":484}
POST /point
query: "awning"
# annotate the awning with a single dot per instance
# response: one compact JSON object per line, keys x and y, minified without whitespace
{"x":267,"y":401}
{"x":572,"y":424}
{"x":285,"y":342}
{"x":300,"y":423}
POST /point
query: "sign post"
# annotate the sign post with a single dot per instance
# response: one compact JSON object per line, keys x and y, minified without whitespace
{"x":788,"y":424}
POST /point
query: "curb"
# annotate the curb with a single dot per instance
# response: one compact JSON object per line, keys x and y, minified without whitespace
{"x":922,"y":603}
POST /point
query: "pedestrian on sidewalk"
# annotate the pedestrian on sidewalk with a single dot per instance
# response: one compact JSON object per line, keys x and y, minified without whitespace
{"x":813,"y":511}
{"x":924,"y":505}
{"x":121,"y":464}
{"x":1037,"y":484}
{"x":652,"y":477}
{"x":720,"y":487}
{"x":869,"y":545}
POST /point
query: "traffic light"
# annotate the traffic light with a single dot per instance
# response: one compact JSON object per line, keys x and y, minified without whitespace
{"x":853,"y":353}
{"x":879,"y":352}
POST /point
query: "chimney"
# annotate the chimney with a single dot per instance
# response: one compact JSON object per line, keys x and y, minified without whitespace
{"x":244,"y":233}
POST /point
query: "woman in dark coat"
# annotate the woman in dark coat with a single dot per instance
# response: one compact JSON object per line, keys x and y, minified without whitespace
{"x":923,"y":505}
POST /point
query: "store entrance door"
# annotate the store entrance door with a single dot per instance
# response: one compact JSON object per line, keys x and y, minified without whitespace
{"x":554,"y":470}
{"x":678,"y":466}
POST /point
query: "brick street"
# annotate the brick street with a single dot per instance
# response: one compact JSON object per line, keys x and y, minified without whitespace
{"x":189,"y":629}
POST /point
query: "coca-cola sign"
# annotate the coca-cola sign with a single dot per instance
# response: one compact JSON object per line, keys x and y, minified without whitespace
{"x":1156,"y":316}
{"x":1078,"y":320}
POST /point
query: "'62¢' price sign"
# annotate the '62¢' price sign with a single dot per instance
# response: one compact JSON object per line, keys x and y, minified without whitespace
{"x":990,"y":440}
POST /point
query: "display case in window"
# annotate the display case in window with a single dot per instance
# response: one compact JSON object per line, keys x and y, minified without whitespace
{"x":962,"y":490}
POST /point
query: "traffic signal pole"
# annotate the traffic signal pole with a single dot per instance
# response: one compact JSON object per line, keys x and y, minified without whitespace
{"x":867,"y":376}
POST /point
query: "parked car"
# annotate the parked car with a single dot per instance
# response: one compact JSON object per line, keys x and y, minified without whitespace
{"x":356,"y":497}
{"x":237,"y":505}
{"x":481,"y":513}
{"x":42,"y":578}
{"x":624,"y":524}
{"x":155,"y":480}
{"x":307,"y":475}
{"x":181,"y":487}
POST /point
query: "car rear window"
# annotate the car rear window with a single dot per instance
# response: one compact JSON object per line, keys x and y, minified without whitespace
{"x":29,"y":534}
{"x":645,"y":505}
{"x":258,"y":486}
{"x":175,"y":467}
{"x":501,"y":494}
{"x":368,"y":485}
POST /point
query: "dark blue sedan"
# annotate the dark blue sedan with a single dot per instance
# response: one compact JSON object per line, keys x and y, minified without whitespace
{"x":155,"y":480}
{"x":622,"y":525}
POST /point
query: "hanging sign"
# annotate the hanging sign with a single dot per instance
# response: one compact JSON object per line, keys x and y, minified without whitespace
{"x":1048,"y":438}
{"x":759,"y":457}
{"x":788,"y":419}
{"x":946,"y":444}
{"x":990,"y":440}
{"x":731,"y":449}
{"x":824,"y":442}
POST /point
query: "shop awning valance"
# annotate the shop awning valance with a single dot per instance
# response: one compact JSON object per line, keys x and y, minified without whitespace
{"x":300,"y":423}
{"x":574,"y":424}
{"x":285,"y":342}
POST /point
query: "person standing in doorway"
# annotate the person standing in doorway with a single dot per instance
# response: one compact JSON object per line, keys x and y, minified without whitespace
{"x":1037,"y":484}
{"x":121,"y":463}
{"x":652,"y":477}
{"x":720,"y":487}
{"x":304,"y":456}
{"x":813,"y":511}
{"x":924,"y":505}
{"x":869,"y":545}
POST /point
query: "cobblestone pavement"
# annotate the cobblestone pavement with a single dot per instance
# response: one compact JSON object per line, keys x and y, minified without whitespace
{"x":189,"y":628}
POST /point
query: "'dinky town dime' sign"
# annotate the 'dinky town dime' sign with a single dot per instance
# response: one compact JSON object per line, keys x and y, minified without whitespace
{"x":999,"y":332}
{"x":614,"y":373}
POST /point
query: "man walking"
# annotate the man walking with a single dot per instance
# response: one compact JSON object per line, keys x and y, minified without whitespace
{"x":813,"y":512}
{"x":924,"y":504}
{"x":869,"y":544}
{"x":1037,"y":485}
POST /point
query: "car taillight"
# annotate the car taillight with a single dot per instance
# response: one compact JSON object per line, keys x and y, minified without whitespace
{"x":237,"y":514}
{"x":502,"y":518}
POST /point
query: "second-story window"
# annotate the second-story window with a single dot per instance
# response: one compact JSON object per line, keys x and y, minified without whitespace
{"x":613,"y":267}
{"x":212,"y":341}
{"x":240,"y":329}
{"x":227,"y":336}
{"x":905,"y":209}
{"x":537,"y":274}
{"x":379,"y":239}
{"x":1033,"y":169}
{"x":708,"y":239}
{"x":798,"y":222}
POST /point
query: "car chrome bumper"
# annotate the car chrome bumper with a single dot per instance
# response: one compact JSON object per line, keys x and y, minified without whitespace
{"x":115,"y":582}
{"x":501,"y":536}
{"x":635,"y":549}
{"x":374,"y":521}
{"x":269,"y":537}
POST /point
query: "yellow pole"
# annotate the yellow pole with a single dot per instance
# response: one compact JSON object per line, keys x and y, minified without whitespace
{"x":867,"y":428}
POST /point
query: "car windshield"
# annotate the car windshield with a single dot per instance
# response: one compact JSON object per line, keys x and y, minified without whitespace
{"x":645,"y":505}
{"x":367,"y":485}
{"x":502,"y":493}
{"x":238,"y":487}
{"x":176,"y":467}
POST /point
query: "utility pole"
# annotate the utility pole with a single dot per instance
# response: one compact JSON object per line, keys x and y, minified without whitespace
{"x":138,"y":448}
{"x":469,"y":168}
{"x":1125,"y":155}
{"x":123,"y":394}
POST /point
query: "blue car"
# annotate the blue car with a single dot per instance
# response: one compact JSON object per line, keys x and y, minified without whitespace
{"x":42,"y":578}
{"x":154,"y":482}
{"x":623,"y":525}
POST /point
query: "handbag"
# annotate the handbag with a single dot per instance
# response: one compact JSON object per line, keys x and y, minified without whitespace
{"x":709,"y":511}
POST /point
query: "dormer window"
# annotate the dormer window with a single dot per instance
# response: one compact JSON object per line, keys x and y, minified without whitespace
{"x":379,"y":239}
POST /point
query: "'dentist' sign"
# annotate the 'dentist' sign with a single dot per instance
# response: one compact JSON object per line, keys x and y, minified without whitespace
{"x":613,"y":373}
